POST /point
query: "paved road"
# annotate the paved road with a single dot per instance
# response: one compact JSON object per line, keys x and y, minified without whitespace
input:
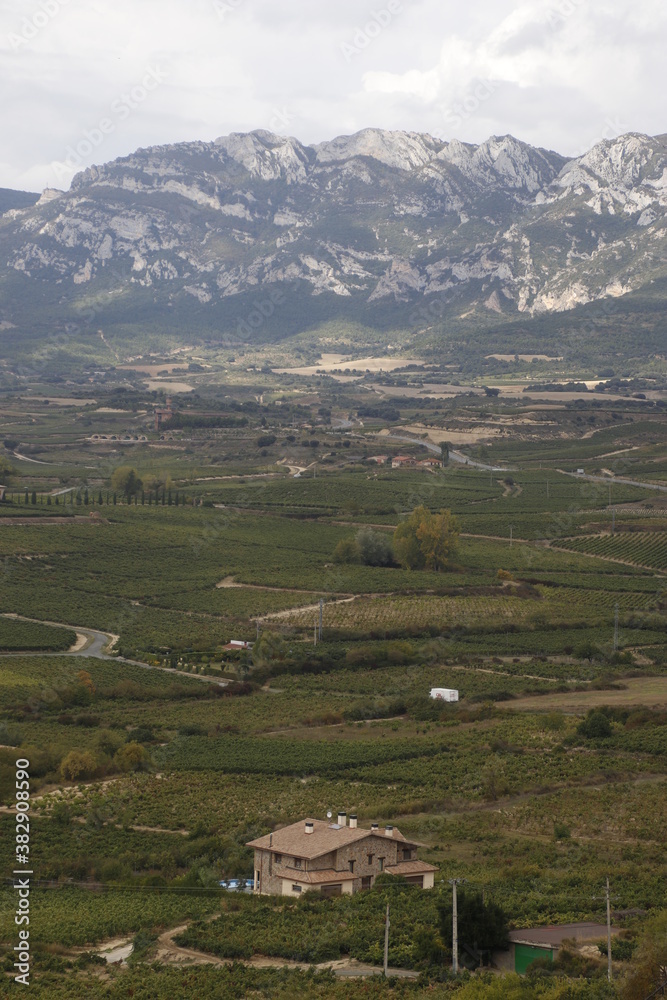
{"x":97,"y":645}
{"x":435,"y":448}
{"x":455,"y":456}
{"x":610,"y":480}
{"x":458,"y":456}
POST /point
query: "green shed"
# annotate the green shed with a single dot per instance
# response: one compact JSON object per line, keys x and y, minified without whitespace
{"x":524,"y":954}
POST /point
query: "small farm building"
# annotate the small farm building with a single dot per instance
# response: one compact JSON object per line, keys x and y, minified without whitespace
{"x":531,"y":943}
{"x":444,"y":694}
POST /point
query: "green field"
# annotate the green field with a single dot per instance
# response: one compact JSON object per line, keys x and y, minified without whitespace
{"x":153,"y":766}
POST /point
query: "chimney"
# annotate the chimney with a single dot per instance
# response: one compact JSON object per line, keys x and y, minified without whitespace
{"x":353,"y":821}
{"x":310,"y":826}
{"x":389,"y":831}
{"x":375,"y":828}
{"x":342,"y":819}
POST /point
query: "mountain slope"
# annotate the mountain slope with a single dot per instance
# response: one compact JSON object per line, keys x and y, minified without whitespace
{"x":256,"y":237}
{"x":16,"y":199}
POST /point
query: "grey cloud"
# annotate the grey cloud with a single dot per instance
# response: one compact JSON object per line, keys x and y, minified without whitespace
{"x":560,"y":84}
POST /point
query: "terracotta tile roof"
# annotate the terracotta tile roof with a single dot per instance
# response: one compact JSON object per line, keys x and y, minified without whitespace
{"x":325,"y":837}
{"x":411,"y":868}
{"x":313,"y":878}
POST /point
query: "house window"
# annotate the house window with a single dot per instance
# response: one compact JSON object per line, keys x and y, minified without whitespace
{"x":296,"y":888}
{"x":278,"y":859}
{"x":407,"y":854}
{"x":370,"y":859}
{"x":351,"y":864}
{"x":381,"y":864}
{"x":297,"y":862}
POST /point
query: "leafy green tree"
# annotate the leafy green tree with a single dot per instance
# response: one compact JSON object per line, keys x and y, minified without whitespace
{"x":125,"y":480}
{"x":596,"y":726}
{"x":426,"y":540}
{"x":649,"y":959}
{"x":6,"y":471}
{"x":347,"y":551}
{"x":270,"y":648}
{"x":375,"y":548}
{"x":131,"y":757}
{"x":481,"y":925}
{"x":438,"y":536}
{"x":78,"y":765}
{"x":406,"y":543}
{"x":587,"y":651}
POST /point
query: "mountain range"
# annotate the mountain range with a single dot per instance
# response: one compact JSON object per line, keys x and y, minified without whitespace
{"x":256,"y":238}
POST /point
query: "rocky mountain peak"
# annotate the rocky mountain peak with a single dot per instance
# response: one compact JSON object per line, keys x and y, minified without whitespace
{"x":400,"y":150}
{"x":265,"y":155}
{"x":373,"y":221}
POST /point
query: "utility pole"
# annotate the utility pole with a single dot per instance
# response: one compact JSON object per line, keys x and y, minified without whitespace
{"x":321,"y":615}
{"x":547,"y":489}
{"x":386,"y":943}
{"x":511,"y":534}
{"x":455,"y":924}
{"x":608,"y":933}
{"x":613,"y":520}
{"x":607,"y":899}
{"x":616,"y":629}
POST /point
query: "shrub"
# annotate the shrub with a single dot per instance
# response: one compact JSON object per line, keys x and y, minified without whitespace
{"x":375,"y":548}
{"x":347,"y":551}
{"x":596,"y":726}
{"x":131,"y":757}
{"x":78,"y":765}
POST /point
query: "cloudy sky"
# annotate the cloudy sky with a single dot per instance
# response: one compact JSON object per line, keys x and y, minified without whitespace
{"x":85,"y":81}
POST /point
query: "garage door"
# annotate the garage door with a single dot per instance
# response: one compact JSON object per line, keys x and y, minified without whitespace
{"x":524,"y":954}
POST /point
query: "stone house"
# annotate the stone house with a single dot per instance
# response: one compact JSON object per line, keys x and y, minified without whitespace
{"x":334,"y":858}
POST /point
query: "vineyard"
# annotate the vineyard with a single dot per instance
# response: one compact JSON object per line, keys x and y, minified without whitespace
{"x":482,"y":613}
{"x":643,"y":549}
{"x":506,"y":789}
{"x":16,"y":636}
{"x":75,"y":917}
{"x":236,"y":981}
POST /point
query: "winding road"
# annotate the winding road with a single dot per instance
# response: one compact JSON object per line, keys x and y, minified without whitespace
{"x":93,"y":643}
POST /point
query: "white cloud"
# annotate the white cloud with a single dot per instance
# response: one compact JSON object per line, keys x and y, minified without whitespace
{"x":556,"y":78}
